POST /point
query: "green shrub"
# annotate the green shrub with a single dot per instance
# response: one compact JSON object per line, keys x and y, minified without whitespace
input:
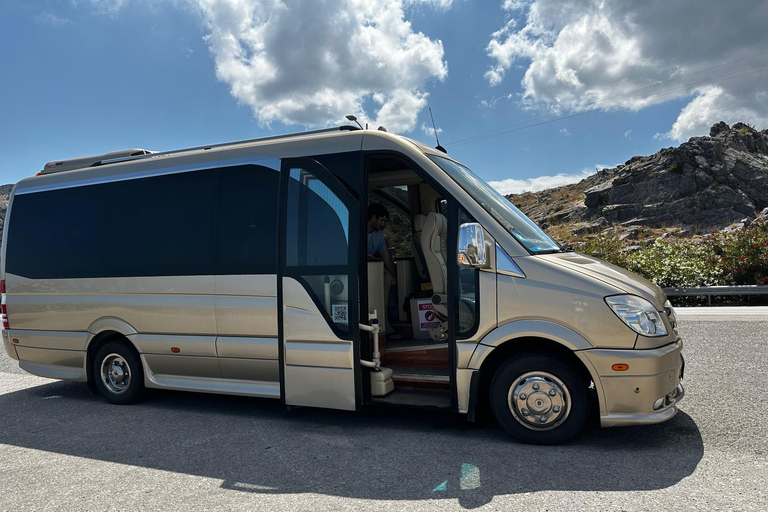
{"x":676,"y":264}
{"x":609,"y":249}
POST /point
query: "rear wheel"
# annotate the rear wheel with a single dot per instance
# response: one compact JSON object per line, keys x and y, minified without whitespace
{"x":539,"y":399}
{"x":118,"y":374}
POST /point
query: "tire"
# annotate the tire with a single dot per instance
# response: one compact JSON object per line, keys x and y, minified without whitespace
{"x":539,"y":399}
{"x":118,"y":373}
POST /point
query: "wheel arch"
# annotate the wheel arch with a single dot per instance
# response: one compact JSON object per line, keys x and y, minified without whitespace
{"x":97,"y":341}
{"x":494,"y":356}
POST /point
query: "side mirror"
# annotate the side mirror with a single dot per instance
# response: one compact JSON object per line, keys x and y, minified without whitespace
{"x":473,"y":252}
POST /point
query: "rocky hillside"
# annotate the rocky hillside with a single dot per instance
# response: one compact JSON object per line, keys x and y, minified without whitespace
{"x":704,"y":184}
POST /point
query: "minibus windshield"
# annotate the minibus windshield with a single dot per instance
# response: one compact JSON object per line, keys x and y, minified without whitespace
{"x":515,"y":221}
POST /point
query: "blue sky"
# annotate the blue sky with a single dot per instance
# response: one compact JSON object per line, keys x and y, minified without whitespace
{"x":521,"y":90}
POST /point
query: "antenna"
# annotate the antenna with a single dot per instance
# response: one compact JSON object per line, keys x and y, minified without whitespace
{"x":438,"y":147}
{"x":350,"y":117}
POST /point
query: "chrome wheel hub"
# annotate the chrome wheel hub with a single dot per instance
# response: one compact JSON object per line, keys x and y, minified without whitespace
{"x":539,"y":401}
{"x":115,"y":374}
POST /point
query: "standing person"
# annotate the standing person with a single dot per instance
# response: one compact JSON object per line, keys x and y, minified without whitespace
{"x":378,"y":216}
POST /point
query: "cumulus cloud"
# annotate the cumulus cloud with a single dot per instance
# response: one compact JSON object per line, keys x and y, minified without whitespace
{"x":513,"y":186}
{"x":622,"y":54}
{"x":312,"y":63}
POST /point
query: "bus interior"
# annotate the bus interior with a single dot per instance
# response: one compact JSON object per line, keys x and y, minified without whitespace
{"x":416,"y":346}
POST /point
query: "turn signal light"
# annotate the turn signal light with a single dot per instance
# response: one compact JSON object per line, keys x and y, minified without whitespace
{"x":3,"y":310}
{"x":620,"y":367}
{"x":175,"y":350}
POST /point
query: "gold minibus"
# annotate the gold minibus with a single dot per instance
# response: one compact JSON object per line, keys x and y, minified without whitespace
{"x":242,"y":269}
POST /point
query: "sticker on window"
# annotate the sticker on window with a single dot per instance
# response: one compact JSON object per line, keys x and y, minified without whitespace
{"x":340,"y":313}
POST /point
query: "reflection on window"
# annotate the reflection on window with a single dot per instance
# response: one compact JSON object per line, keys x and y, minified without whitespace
{"x":317,"y":244}
{"x":468,"y":293}
{"x":513,"y":220}
{"x":317,"y":223}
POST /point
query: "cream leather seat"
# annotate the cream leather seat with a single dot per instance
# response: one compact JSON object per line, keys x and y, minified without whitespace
{"x":434,"y":244}
{"x":418,"y":227}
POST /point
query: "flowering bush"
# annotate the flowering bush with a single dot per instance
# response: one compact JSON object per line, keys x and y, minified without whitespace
{"x":742,"y":255}
{"x":677,"y":264}
{"x":739,"y":257}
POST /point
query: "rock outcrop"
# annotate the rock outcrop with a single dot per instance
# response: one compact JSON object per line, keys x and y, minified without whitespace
{"x":706,"y":183}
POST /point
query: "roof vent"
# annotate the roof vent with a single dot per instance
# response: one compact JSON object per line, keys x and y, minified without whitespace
{"x":91,"y":161}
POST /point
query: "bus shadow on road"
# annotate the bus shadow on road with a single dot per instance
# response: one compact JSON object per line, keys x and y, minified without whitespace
{"x":255,"y":445}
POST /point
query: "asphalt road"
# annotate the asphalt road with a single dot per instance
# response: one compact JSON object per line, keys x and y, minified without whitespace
{"x":63,"y":449}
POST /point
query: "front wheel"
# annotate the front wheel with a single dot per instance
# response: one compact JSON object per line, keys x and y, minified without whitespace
{"x":539,"y":399}
{"x":118,"y":374}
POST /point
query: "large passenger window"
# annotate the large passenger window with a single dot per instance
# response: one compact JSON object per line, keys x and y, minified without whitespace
{"x":213,"y":221}
{"x":58,"y":234}
{"x":161,"y":226}
{"x":317,"y":245}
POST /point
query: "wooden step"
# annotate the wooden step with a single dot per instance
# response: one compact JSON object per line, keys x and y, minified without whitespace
{"x":434,"y":357}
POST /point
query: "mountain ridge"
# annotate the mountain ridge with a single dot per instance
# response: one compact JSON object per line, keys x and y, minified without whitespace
{"x":707,"y":183}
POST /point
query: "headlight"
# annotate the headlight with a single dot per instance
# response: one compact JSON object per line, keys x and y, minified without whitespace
{"x":639,"y":314}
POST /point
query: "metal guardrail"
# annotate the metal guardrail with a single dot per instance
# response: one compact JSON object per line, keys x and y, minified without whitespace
{"x":710,"y":291}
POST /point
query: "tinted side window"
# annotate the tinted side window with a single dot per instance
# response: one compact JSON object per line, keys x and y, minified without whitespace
{"x":57,"y":234}
{"x":248,"y":213}
{"x":192,"y":223}
{"x":162,"y":225}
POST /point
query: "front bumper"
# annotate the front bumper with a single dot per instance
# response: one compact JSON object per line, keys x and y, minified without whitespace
{"x":647,"y":392}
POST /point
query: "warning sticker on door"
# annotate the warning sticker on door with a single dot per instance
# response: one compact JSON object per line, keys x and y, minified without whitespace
{"x":427,"y":318}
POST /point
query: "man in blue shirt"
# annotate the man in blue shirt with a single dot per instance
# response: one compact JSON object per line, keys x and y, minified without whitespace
{"x":377,"y":248}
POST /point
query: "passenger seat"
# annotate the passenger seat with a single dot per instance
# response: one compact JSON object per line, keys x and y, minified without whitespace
{"x":421,"y":264}
{"x":434,"y":244}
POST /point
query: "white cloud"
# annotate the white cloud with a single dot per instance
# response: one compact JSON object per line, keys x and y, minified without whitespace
{"x":429,"y":130}
{"x":493,"y":101}
{"x":565,"y":131}
{"x":437,"y":4}
{"x":297,"y":64}
{"x":622,"y":54}
{"x":513,"y":186}
{"x":49,"y":18}
{"x":108,"y":7}
{"x":628,"y":134}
